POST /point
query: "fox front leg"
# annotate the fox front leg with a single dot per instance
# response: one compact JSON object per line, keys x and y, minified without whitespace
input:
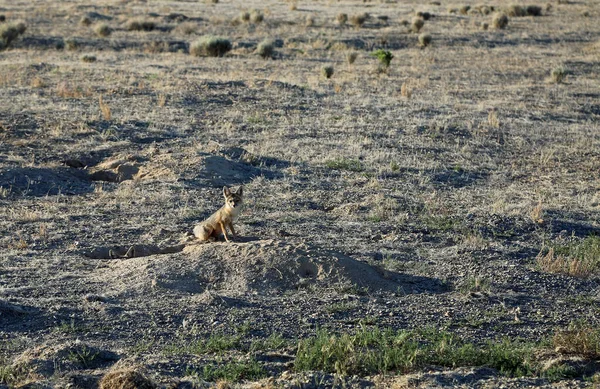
{"x":224,"y":231}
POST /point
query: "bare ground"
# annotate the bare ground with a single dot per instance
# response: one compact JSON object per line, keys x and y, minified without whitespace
{"x":407,"y":199}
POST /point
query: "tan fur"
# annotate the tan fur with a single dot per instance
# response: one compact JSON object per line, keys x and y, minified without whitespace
{"x":217,"y":224}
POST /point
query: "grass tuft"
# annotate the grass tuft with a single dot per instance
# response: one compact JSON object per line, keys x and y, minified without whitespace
{"x":265,"y":49}
{"x":577,"y":259}
{"x":417,"y":24}
{"x":358,"y":20}
{"x":385,"y":58}
{"x":579,"y":338}
{"x":10,"y":32}
{"x":352,"y":165}
{"x":327,"y":71}
{"x":211,"y":46}
{"x":341,"y":19}
{"x":102,"y":30}
{"x":140,"y":24}
{"x":500,"y":21}
{"x":424,"y":40}
{"x":558,"y":75}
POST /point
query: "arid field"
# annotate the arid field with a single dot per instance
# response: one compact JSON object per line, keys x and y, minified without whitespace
{"x":421,"y":194}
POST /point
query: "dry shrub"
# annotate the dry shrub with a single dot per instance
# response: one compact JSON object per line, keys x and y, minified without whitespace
{"x":580,"y":339}
{"x":516,"y":10}
{"x":71,"y":44}
{"x":417,"y":24}
{"x":484,"y":26}
{"x":424,"y":40}
{"x":9,"y":32}
{"x":210,"y":45}
{"x":578,"y":259}
{"x":140,"y":24}
{"x":156,"y":46}
{"x":464,"y":10}
{"x":309,"y":21}
{"x":493,"y":120}
{"x":358,"y":20}
{"x":256,"y":17}
{"x":245,"y":16}
{"x":102,"y":30}
{"x":404,"y":22}
{"x":558,"y":75}
{"x":327,"y":71}
{"x":500,"y":21}
{"x":533,"y":10}
{"x":187,"y":28}
{"x":293,"y":6}
{"x":341,"y":18}
{"x":351,"y":57}
{"x":537,"y":213}
{"x":85,"y":21}
{"x":126,"y":379}
{"x":87,"y":58}
{"x":424,"y":15}
{"x":265,"y":49}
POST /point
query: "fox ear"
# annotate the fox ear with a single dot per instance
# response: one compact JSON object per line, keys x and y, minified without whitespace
{"x":240,"y":190}
{"x":226,"y":191}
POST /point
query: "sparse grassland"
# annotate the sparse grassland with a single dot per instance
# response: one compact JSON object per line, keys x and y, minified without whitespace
{"x":421,"y":199}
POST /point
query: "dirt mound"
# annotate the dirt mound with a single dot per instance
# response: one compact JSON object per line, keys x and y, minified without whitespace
{"x":46,"y":359}
{"x":258,"y":266}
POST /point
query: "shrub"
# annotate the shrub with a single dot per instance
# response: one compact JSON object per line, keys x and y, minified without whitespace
{"x":10,"y":32}
{"x":309,"y":21}
{"x":126,"y":378}
{"x":102,"y":29}
{"x":85,"y":21}
{"x":578,"y":259}
{"x":187,"y":28}
{"x":558,"y":74}
{"x":210,"y":45}
{"x":88,"y":58}
{"x":265,"y":49}
{"x":484,"y":26}
{"x":245,"y":16}
{"x":327,"y":71}
{"x":534,"y":10}
{"x":424,"y":40}
{"x":417,"y":24}
{"x":424,"y":15}
{"x":516,"y":10}
{"x":359,"y":19}
{"x":139,"y":24}
{"x":341,"y":18}
{"x":71,"y":44}
{"x":256,"y":16}
{"x":385,"y":57}
{"x":351,"y":57}
{"x":579,"y":338}
{"x":404,"y":22}
{"x":464,"y":10}
{"x":500,"y":21}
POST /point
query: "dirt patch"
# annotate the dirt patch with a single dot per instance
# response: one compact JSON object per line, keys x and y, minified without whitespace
{"x":41,"y":181}
{"x":265,"y":266}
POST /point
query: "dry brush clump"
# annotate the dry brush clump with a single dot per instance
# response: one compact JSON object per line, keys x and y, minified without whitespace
{"x":424,"y":40}
{"x":417,"y":24}
{"x":578,"y":259}
{"x":266,"y":49}
{"x":256,"y":16}
{"x":516,"y":10}
{"x":341,"y":19}
{"x":500,"y":21}
{"x":327,"y":71}
{"x":579,"y":339}
{"x":358,"y":20}
{"x":102,"y":30}
{"x":558,"y":75}
{"x":10,"y":32}
{"x":211,"y":46}
{"x":140,"y":24}
{"x":126,"y":379}
{"x":351,"y":57}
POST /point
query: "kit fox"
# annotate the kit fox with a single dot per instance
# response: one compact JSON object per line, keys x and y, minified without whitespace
{"x":218,"y":222}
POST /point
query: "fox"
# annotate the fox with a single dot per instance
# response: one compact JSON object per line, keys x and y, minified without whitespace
{"x":219,"y":221}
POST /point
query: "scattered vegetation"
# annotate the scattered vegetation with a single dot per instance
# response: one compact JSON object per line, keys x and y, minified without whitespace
{"x":385,"y":58}
{"x":327,"y":71}
{"x":534,"y":10}
{"x":211,"y":46}
{"x":88,"y":58}
{"x":71,"y":44}
{"x":558,"y":75}
{"x":424,"y":40}
{"x":579,"y":259}
{"x":187,"y":28}
{"x":464,"y":10}
{"x":341,"y":19}
{"x":309,"y":21}
{"x":417,"y":24}
{"x":256,"y":16}
{"x":424,"y":15}
{"x":265,"y":49}
{"x":102,"y":30}
{"x":85,"y":21}
{"x":140,"y":24}
{"x":352,"y":165}
{"x":231,"y":371}
{"x":126,"y":378}
{"x":351,"y":57}
{"x":515,"y":10}
{"x":579,"y":338}
{"x":358,"y":20}
{"x":372,"y":351}
{"x":500,"y":21}
{"x":9,"y":32}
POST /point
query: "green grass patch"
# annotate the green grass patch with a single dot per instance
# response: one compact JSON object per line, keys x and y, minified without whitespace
{"x":373,"y":351}
{"x":579,"y":259}
{"x":232,"y":371}
{"x":352,"y":165}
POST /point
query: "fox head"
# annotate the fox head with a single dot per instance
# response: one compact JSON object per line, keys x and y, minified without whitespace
{"x":233,"y":199}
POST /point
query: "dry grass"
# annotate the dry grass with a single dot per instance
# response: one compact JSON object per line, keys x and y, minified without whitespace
{"x":265,"y":49}
{"x":579,"y":339}
{"x":558,"y":75}
{"x":417,"y":24}
{"x":327,"y":71}
{"x":424,"y":40}
{"x":211,"y":46}
{"x":126,"y":379}
{"x":357,"y":20}
{"x":140,"y":24}
{"x":102,"y":30}
{"x":341,"y":19}
{"x":578,"y":259}
{"x":500,"y":21}
{"x":105,"y":109}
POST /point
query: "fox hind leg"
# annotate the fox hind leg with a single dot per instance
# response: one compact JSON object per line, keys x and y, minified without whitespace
{"x":203,"y":232}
